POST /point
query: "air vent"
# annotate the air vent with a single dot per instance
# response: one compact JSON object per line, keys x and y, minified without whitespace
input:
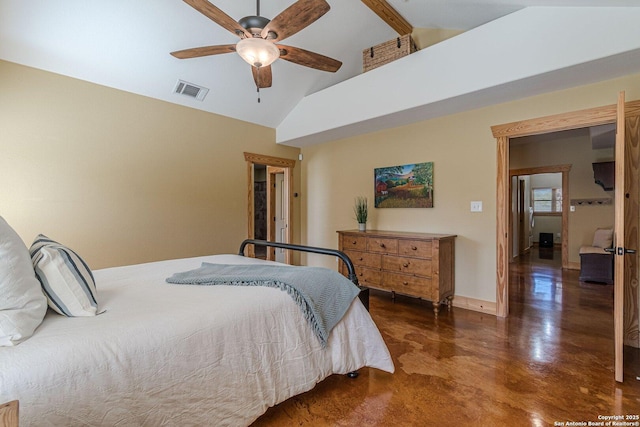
{"x":191,"y":90}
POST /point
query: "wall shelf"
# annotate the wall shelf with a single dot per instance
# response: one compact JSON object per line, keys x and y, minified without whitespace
{"x":592,"y":202}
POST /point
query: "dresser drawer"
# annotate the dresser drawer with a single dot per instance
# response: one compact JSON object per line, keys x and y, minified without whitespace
{"x":407,"y":284}
{"x":413,"y":264}
{"x":368,"y":276}
{"x":382,"y":245}
{"x":365,"y":259}
{"x":415,"y":248}
{"x":350,"y":241}
{"x":396,"y":264}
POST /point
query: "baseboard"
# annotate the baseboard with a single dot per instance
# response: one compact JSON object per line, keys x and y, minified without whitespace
{"x":573,"y":265}
{"x":474,"y":304}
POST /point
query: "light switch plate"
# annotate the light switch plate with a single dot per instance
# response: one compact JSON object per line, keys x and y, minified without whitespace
{"x":476,"y":206}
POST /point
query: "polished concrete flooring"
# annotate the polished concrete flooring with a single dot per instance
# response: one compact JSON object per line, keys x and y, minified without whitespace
{"x":550,"y":362}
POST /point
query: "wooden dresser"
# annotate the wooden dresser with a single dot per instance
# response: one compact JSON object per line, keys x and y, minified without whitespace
{"x":415,"y":264}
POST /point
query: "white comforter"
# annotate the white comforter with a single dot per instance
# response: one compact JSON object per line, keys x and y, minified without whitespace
{"x":165,"y":354}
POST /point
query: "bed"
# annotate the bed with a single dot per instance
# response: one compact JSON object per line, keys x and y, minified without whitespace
{"x":165,"y":354}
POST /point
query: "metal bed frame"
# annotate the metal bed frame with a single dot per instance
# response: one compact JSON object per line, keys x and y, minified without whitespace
{"x":364,"y":291}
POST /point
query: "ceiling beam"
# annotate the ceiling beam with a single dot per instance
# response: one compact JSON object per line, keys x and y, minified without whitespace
{"x":389,"y":15}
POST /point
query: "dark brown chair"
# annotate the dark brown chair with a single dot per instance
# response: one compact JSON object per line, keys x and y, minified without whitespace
{"x":596,"y":264}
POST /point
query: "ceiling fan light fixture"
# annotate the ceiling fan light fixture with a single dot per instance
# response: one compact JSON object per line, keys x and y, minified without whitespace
{"x":257,"y":51}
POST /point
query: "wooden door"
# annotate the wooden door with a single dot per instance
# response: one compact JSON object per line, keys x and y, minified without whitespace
{"x":277,"y":221}
{"x":619,"y":240}
{"x":280,"y":215}
{"x":626,"y":234}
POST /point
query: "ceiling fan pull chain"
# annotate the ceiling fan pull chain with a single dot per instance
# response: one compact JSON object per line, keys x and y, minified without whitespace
{"x":258,"y":81}
{"x":372,"y":51}
{"x":399,"y":42}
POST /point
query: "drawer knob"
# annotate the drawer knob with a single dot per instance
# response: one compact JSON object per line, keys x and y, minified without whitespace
{"x":405,"y":283}
{"x":405,"y":265}
{"x":382,"y":245}
{"x":361,"y":259}
{"x":414,"y":248}
{"x":354,"y":242}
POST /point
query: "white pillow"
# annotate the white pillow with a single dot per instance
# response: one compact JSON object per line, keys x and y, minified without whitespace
{"x":66,"y":279}
{"x":22,"y":304}
{"x":603,"y":238}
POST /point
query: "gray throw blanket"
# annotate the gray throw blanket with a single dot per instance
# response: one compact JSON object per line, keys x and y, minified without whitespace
{"x":322,"y":294}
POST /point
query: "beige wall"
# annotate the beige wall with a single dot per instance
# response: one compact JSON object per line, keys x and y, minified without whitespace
{"x":464,"y":154}
{"x":122,"y":178}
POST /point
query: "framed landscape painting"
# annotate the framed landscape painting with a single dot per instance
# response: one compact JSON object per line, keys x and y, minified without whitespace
{"x":407,"y":186}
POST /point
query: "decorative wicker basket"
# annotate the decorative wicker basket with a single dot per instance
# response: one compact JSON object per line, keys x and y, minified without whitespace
{"x":386,"y":52}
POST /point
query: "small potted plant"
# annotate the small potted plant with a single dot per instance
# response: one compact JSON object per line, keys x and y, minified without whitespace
{"x":361,"y":209}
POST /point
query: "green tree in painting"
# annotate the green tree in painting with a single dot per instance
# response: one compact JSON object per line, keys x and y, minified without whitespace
{"x":423,"y":173}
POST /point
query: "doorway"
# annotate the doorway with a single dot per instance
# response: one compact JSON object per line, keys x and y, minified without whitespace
{"x":543,"y":125}
{"x":626,"y":116}
{"x":273,"y":166}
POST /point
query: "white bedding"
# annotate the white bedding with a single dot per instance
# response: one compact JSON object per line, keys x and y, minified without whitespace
{"x":165,"y":354}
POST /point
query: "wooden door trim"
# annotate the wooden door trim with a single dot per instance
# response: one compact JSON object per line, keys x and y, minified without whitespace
{"x":502,"y":133}
{"x":564,"y":121}
{"x":287,"y":166}
{"x":503,"y":183}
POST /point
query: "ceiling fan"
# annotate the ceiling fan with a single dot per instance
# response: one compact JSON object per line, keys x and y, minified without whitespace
{"x":259,"y":35}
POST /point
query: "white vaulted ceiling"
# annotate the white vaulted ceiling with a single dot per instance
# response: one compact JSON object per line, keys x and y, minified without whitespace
{"x":125,"y":45}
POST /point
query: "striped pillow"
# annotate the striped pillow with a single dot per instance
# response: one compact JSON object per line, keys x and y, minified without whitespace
{"x":66,"y":279}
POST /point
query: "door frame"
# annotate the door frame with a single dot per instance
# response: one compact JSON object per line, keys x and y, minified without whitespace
{"x":287,"y":166}
{"x":553,"y":123}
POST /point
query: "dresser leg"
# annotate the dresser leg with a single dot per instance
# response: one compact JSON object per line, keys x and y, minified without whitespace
{"x":393,"y":296}
{"x":449,"y":300}
{"x":436,"y":308}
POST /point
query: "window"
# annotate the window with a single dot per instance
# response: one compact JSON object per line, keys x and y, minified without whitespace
{"x":547,"y":200}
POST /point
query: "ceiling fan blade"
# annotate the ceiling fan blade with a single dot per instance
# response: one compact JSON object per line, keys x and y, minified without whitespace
{"x":262,"y":77}
{"x":218,"y":16}
{"x":309,"y":59}
{"x":294,"y":18}
{"x":196,"y":52}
